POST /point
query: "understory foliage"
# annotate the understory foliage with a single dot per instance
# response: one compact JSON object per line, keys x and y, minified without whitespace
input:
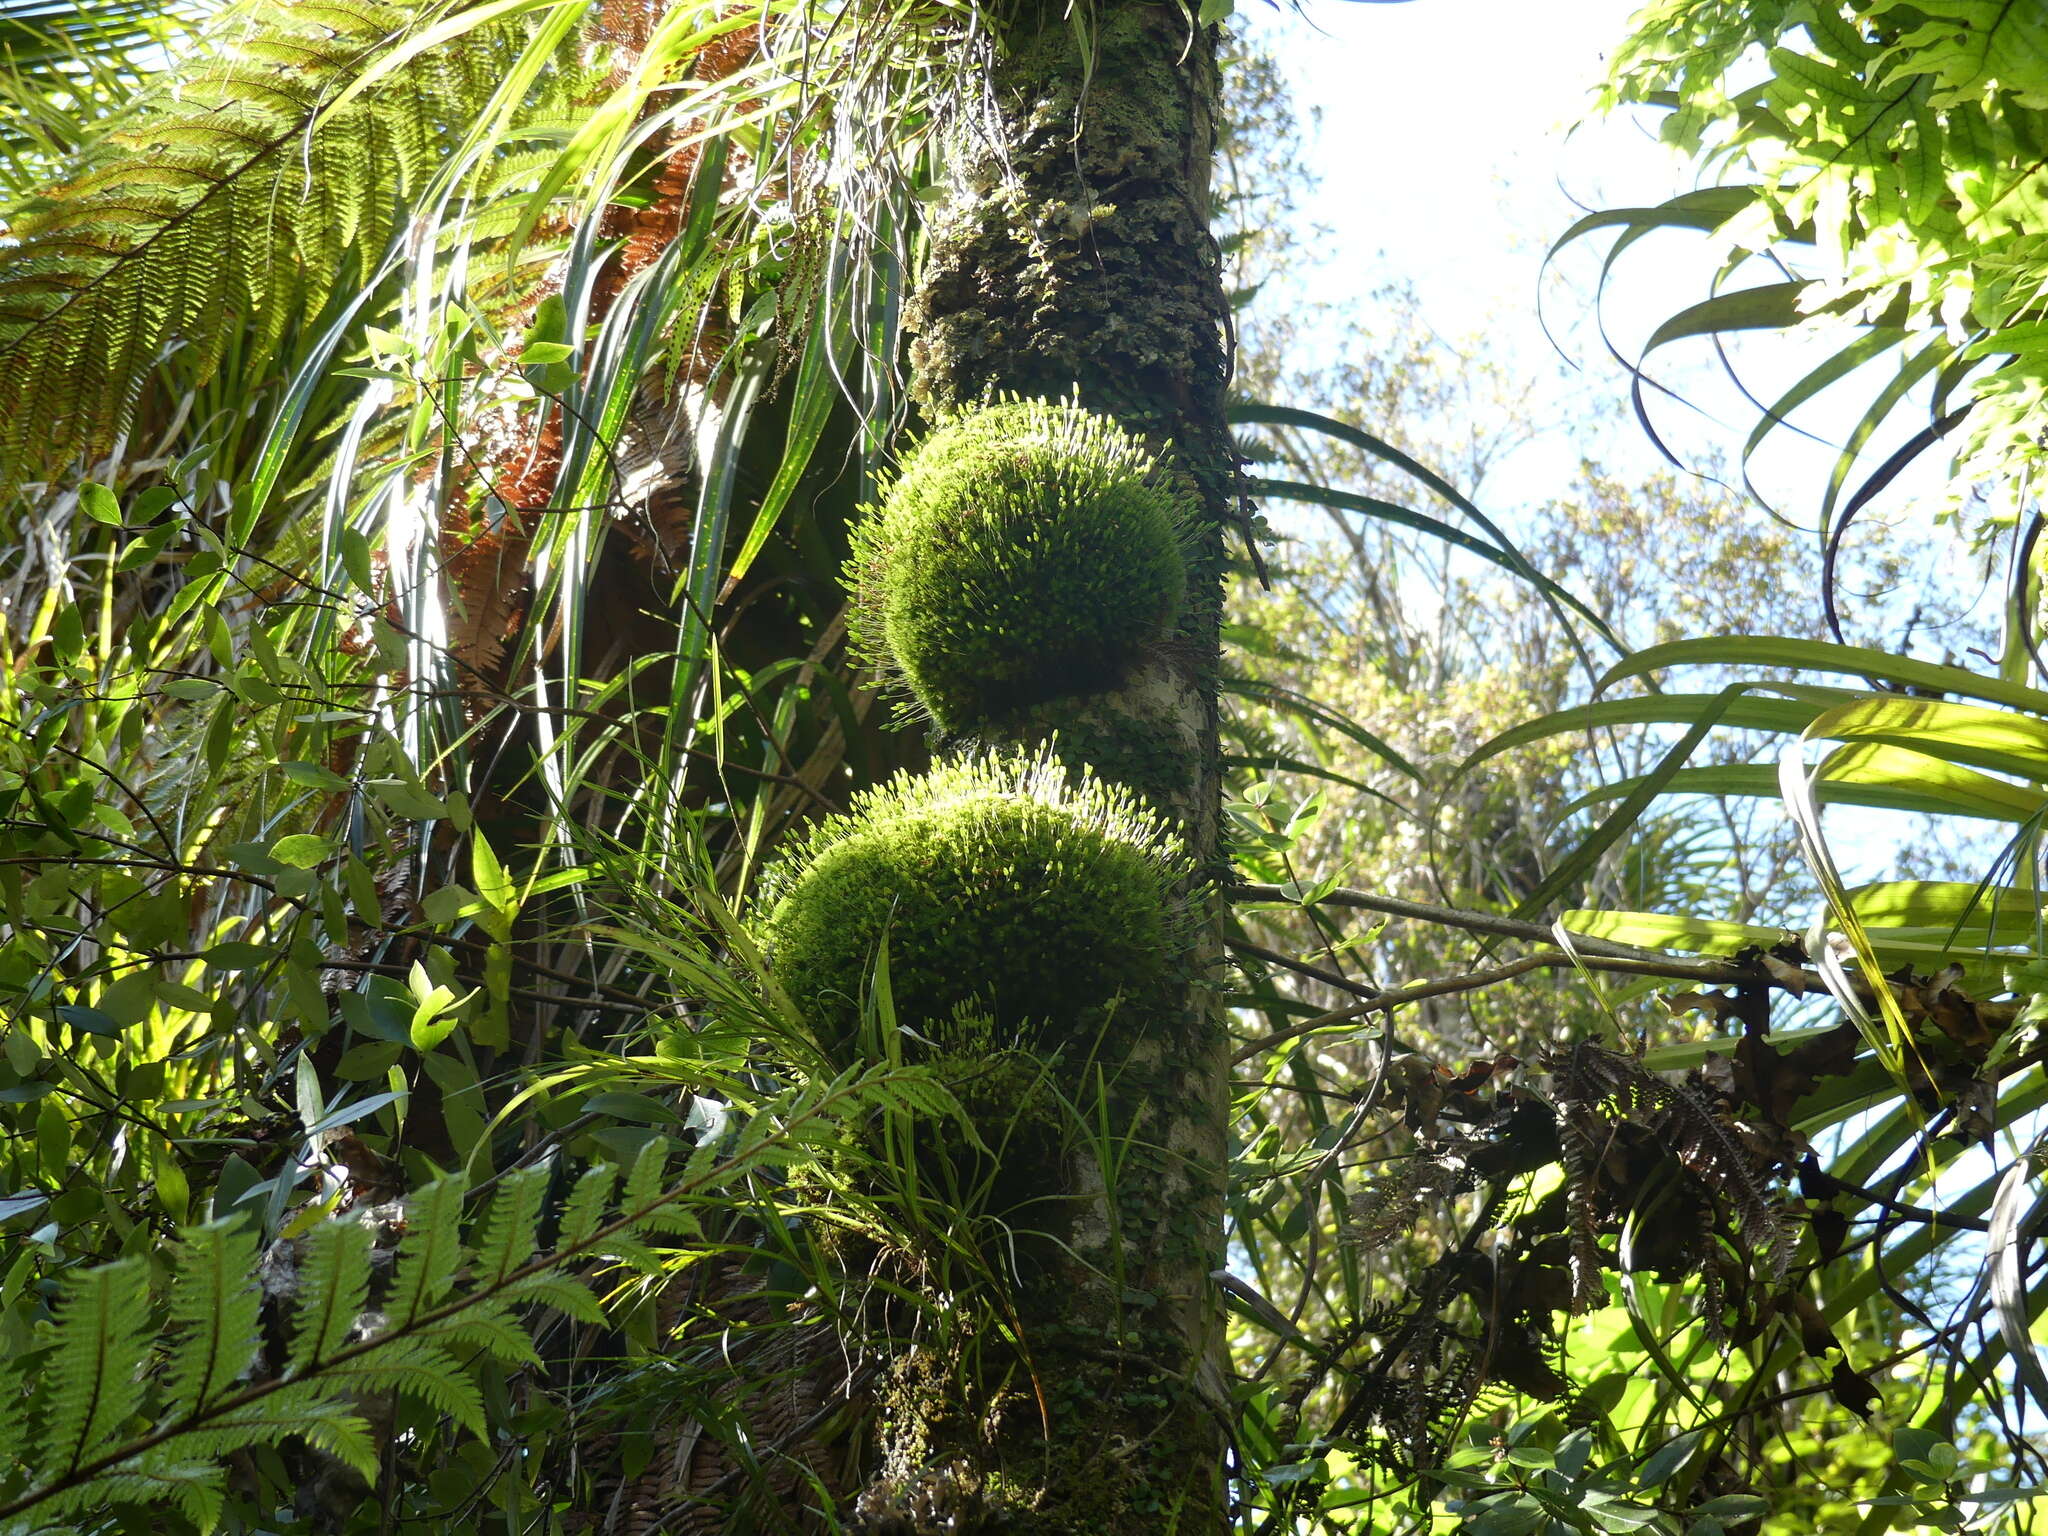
{"x":450,"y":823}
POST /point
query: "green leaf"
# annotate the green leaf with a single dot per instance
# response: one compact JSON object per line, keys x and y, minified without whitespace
{"x":99,"y":504}
{"x":355,"y":559}
{"x":95,"y":1371}
{"x":430,"y":1251}
{"x":1772,"y":306}
{"x":301,"y":850}
{"x":1733,"y":1506}
{"x":508,"y":1237}
{"x":334,"y":1285}
{"x":1747,"y":712}
{"x":1821,"y":656}
{"x":496,"y":888}
{"x":1656,"y":930}
{"x":408,"y":800}
{"x":630,"y":1106}
{"x":215,"y":1303}
{"x":313,"y":776}
{"x":1998,"y":740}
{"x":91,"y":1020}
{"x":1665,"y":1461}
{"x":1620,"y":1517}
{"x":1436,"y":528}
{"x":2004,"y":1257}
{"x":584,"y":1211}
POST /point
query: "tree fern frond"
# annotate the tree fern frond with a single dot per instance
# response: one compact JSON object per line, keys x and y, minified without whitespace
{"x":334,"y":1286}
{"x":95,"y":1374}
{"x":240,"y":198}
{"x":193,"y":1488}
{"x":643,"y":1179}
{"x":310,"y":1411}
{"x":215,"y":1305}
{"x":493,"y":1330}
{"x":508,"y":1237}
{"x":429,"y":1252}
{"x":421,"y":1370}
{"x":585,"y":1206}
{"x":563,"y":1294}
{"x":337,"y":1356}
{"x":14,"y":1421}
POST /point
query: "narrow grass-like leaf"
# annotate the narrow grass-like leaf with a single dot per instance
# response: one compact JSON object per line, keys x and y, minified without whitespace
{"x":2005,"y":1259}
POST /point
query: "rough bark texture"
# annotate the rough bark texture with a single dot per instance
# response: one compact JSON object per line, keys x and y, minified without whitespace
{"x":1073,"y":253}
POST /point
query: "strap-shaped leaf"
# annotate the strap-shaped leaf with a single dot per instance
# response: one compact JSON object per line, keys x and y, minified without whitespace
{"x":2005,"y":1258}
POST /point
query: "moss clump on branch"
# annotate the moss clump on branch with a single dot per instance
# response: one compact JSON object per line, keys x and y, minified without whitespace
{"x":1028,"y":551}
{"x":1007,"y":890}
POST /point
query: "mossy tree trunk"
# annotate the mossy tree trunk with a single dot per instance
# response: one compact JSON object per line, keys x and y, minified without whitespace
{"x":1073,"y":253}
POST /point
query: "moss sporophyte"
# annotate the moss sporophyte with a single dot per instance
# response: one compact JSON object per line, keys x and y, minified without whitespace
{"x":1008,"y":889}
{"x":1029,"y":550}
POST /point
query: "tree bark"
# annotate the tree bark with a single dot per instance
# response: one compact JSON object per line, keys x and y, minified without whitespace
{"x":1073,"y":254}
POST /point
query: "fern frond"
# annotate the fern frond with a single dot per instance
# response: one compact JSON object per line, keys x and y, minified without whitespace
{"x":509,"y":1231}
{"x":339,"y":1354}
{"x":334,"y":1287}
{"x":193,"y":1488}
{"x":95,"y":1373}
{"x":561,"y":1293}
{"x":586,"y":1203}
{"x":215,"y":1306}
{"x":429,"y":1252}
{"x":239,"y":202}
{"x":420,"y":1370}
{"x":643,"y":1179}
{"x":310,"y":1411}
{"x":14,"y":1420}
{"x":494,"y":1331}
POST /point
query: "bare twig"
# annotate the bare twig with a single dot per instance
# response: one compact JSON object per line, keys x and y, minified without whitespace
{"x":1327,"y":977}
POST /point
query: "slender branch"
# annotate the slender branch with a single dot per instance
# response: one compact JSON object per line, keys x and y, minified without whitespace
{"x":1912,"y":1212}
{"x":1444,"y":917}
{"x":1472,"y":981}
{"x":1327,"y":977}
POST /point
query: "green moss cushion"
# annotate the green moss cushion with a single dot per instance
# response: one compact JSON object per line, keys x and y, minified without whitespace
{"x":1028,"y":551}
{"x":1006,"y":888}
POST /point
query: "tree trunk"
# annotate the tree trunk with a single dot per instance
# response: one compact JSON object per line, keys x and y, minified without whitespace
{"x":1073,"y":253}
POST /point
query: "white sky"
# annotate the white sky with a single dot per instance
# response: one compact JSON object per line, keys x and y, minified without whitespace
{"x":1426,"y":109}
{"x":1443,"y":131}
